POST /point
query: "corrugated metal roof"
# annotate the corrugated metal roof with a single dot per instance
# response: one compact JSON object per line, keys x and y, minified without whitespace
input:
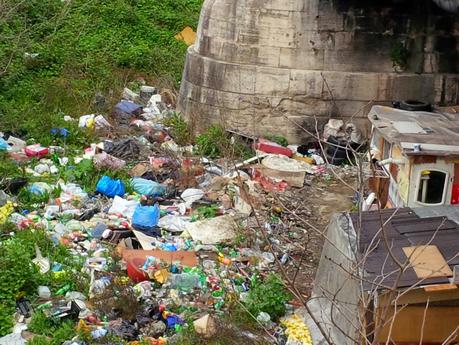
{"x":437,"y":129}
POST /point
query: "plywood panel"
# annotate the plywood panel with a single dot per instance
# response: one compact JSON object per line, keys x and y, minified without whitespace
{"x":439,"y":323}
{"x":427,"y":262}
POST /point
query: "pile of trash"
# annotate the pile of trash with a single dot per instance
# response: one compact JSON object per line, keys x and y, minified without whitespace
{"x":157,"y":246}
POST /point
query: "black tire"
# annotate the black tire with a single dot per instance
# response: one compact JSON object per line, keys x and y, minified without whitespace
{"x":336,"y":152}
{"x":356,"y":146}
{"x":335,"y":161}
{"x":414,"y":105}
{"x":333,"y":140}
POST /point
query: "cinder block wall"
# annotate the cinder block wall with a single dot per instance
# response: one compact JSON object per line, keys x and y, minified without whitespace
{"x":258,"y":65}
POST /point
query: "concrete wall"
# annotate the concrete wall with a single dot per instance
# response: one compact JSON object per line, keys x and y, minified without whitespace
{"x":260,"y":65}
{"x":336,"y":294}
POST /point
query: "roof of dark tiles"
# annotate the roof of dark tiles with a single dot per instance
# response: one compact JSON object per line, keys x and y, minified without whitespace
{"x":402,"y":228}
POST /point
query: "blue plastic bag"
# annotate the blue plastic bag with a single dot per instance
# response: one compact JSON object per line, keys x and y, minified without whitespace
{"x":3,"y":145}
{"x":147,"y":187}
{"x":110,"y":187}
{"x":146,"y":218}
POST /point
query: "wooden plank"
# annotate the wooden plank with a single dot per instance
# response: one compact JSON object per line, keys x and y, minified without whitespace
{"x":427,"y":262}
{"x":417,"y":295}
{"x":440,"y":287}
{"x":439,"y":323}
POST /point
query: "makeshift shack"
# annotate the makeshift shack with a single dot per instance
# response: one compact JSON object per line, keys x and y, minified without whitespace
{"x":416,"y":156}
{"x":362,"y":296}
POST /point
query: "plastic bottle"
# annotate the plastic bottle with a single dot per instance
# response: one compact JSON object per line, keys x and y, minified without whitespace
{"x":184,"y":281}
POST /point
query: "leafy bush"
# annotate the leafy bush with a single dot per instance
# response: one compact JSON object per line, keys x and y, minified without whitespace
{"x":20,"y":276}
{"x":269,"y":296}
{"x":179,"y":129}
{"x":399,"y":55}
{"x":45,"y":327}
{"x":213,"y":142}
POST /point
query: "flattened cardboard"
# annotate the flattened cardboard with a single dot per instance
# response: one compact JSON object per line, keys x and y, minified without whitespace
{"x":185,"y":258}
{"x":427,"y":262}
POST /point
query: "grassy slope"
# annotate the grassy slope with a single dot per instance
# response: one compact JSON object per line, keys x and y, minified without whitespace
{"x":84,"y":46}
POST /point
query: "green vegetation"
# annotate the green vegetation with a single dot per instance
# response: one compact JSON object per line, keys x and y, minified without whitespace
{"x":20,"y":276}
{"x":179,"y":129}
{"x":399,"y":55}
{"x":215,"y":142}
{"x":212,"y":143}
{"x":279,"y":139}
{"x":50,"y":332}
{"x":205,"y":212}
{"x":56,"y":55}
{"x":269,"y":296}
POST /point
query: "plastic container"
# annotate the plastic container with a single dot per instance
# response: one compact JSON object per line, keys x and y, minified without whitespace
{"x":133,"y":270}
{"x":36,"y":151}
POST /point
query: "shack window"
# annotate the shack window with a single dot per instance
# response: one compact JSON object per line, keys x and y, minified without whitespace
{"x":432,"y":185}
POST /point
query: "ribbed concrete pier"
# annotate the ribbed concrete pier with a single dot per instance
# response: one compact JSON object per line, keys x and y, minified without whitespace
{"x":258,"y":63}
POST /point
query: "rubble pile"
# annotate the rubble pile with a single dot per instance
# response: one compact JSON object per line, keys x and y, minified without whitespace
{"x":136,"y":238}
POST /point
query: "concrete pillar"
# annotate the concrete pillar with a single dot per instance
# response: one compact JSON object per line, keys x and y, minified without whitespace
{"x":260,"y":65}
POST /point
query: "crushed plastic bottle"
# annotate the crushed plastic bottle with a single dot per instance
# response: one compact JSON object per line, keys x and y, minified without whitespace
{"x":185,"y":281}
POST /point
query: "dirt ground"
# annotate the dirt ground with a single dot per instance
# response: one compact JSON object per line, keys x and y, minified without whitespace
{"x":304,"y":215}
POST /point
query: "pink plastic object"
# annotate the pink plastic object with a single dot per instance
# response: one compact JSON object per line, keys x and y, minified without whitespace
{"x":268,"y":183}
{"x":272,"y":147}
{"x":455,"y":194}
{"x":36,"y":150}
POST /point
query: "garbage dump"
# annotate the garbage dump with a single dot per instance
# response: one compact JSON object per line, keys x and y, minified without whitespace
{"x":135,"y":238}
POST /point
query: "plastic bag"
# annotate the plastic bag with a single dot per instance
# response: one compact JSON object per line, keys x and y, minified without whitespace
{"x":110,"y":187}
{"x":147,"y":187}
{"x":191,"y":195}
{"x":5,"y":211}
{"x":3,"y":145}
{"x":173,"y":223}
{"x":104,"y":160}
{"x":145,"y":218}
{"x":123,"y":206}
{"x":40,"y":188}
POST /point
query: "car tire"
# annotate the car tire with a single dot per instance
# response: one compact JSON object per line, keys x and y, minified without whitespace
{"x":414,"y":105}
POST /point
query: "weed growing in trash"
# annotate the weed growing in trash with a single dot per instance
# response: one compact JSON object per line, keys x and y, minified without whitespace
{"x":179,"y":129}
{"x":8,"y":167}
{"x":29,"y":200}
{"x":215,"y":142}
{"x":18,"y":274}
{"x":205,"y":212}
{"x":278,"y":139}
{"x":50,"y":331}
{"x":268,"y":296}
